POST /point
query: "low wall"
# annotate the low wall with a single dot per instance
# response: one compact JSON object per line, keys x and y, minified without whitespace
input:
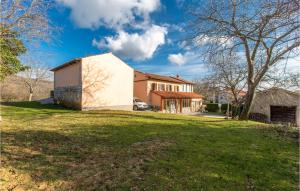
{"x":68,"y":96}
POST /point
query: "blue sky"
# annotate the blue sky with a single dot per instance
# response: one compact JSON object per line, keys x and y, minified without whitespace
{"x":147,"y":35}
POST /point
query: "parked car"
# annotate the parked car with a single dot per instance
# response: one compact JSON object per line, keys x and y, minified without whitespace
{"x":138,"y":104}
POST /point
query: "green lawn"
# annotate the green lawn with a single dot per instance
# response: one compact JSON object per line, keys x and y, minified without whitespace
{"x":51,"y":148}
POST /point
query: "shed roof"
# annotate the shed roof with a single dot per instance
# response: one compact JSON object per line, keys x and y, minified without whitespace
{"x":74,"y":61}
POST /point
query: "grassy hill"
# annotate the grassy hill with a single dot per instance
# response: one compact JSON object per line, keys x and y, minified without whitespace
{"x":51,"y":148}
{"x":13,"y":89}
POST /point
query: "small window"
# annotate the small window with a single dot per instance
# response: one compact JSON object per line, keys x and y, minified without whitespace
{"x":153,"y":86}
{"x":169,"y":88}
{"x":161,"y":87}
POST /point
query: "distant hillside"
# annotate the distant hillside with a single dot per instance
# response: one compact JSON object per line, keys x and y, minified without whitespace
{"x":14,"y":89}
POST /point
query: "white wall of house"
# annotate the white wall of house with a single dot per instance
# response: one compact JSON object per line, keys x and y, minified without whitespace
{"x":107,"y":82}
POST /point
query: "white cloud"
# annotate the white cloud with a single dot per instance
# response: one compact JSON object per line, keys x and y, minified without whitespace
{"x":134,"y":46}
{"x":109,"y":13}
{"x":188,"y":57}
{"x":178,"y":59}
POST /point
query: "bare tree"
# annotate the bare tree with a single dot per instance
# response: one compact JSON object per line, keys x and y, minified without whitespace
{"x":283,"y":79}
{"x":27,"y":18}
{"x":207,"y":87}
{"x":34,"y":75}
{"x":264,"y":32}
{"x":229,"y":72}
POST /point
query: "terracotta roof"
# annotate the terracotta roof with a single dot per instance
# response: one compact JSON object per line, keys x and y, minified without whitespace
{"x":183,"y":80}
{"x":241,"y":92}
{"x":165,"y":78}
{"x":65,"y":64}
{"x":74,"y":61}
{"x":179,"y":95}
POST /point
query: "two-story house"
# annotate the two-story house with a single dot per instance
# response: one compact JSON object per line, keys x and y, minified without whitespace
{"x":169,"y":94}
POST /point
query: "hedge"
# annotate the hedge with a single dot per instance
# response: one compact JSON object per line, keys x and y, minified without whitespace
{"x":212,"y":107}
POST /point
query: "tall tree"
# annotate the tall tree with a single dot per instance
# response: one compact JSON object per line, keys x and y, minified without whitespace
{"x":10,"y":49}
{"x":264,"y":32}
{"x":21,"y":21}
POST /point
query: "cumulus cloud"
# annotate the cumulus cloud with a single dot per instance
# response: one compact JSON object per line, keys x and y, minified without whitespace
{"x":178,"y":59}
{"x":181,"y":59}
{"x":134,"y":46}
{"x":109,"y":13}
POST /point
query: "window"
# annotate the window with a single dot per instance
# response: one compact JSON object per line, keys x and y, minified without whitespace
{"x":176,"y":88}
{"x":186,"y":103}
{"x":169,"y":88}
{"x":161,"y":87}
{"x":153,"y":86}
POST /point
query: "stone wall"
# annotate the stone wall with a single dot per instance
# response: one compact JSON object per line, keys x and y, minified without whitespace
{"x":68,"y":96}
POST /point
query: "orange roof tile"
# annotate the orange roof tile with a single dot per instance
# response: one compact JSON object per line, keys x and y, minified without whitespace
{"x":163,"y":78}
{"x":179,"y":95}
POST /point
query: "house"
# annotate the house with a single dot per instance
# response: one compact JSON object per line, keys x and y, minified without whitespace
{"x":94,"y":82}
{"x":168,"y":94}
{"x":226,"y":96}
{"x":279,"y":105}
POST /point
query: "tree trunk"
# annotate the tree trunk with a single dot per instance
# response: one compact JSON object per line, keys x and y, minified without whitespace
{"x":247,"y":106}
{"x":30,"y":97}
{"x":30,"y":93}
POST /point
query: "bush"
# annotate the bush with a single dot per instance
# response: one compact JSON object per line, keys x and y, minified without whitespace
{"x":224,"y":107}
{"x":258,"y":117}
{"x":236,"y":111}
{"x":212,"y":107}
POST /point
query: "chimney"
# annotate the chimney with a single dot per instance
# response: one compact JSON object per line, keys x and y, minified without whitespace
{"x":177,"y":76}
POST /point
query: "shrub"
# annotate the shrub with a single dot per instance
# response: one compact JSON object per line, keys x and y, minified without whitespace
{"x":258,"y":117}
{"x":212,"y":107}
{"x":224,"y":107}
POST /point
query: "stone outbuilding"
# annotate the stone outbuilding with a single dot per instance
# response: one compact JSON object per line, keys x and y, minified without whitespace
{"x":95,"y":82}
{"x":279,"y":105}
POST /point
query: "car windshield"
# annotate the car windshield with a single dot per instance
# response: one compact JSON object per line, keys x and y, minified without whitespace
{"x":138,"y":100}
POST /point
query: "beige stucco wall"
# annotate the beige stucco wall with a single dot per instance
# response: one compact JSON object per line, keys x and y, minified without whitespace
{"x":107,"y":83}
{"x":68,"y":76}
{"x":275,"y":97}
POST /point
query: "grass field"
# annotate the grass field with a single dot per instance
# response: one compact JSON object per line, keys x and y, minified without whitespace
{"x":51,"y":148}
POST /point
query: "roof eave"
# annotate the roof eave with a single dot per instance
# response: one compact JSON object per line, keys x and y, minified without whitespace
{"x":65,"y":64}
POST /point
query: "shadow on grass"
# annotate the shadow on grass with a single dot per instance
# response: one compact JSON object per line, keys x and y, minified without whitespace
{"x":152,"y":115}
{"x":33,"y":105}
{"x":151,"y":156}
